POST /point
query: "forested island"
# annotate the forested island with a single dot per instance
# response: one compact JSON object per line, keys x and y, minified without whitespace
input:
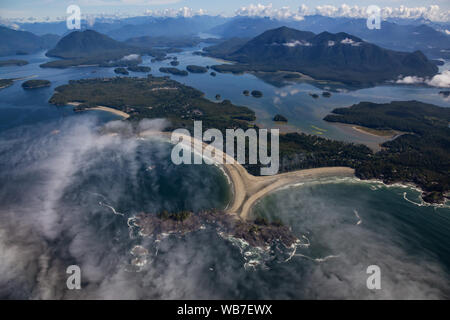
{"x":174,"y":71}
{"x":280,"y":118}
{"x":143,"y":69}
{"x":121,"y":71}
{"x":154,"y":97}
{"x":196,"y":69}
{"x":35,"y":84}
{"x":5,"y":83}
{"x":257,"y":94}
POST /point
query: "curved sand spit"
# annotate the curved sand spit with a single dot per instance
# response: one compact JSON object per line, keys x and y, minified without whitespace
{"x":248,"y":189}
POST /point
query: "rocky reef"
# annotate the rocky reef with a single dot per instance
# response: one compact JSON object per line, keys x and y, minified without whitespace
{"x":259,"y":233}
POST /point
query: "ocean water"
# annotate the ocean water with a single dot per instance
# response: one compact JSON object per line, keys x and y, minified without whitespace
{"x":67,"y":193}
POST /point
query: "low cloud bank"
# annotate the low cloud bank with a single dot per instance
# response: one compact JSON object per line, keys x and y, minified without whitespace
{"x":441,"y":80}
{"x":131,"y":57}
{"x":433,"y":12}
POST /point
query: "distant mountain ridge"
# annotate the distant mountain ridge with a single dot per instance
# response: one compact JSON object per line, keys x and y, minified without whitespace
{"x":338,"y":57}
{"x":22,"y":42}
{"x":167,"y":27}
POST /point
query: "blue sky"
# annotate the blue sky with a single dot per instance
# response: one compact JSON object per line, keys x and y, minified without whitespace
{"x":57,"y":8}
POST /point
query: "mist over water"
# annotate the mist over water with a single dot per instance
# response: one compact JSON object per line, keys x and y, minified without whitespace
{"x":352,"y":225}
{"x":67,"y":191}
{"x":66,"y":194}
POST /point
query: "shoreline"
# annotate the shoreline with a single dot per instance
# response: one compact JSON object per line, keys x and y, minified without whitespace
{"x":248,"y":189}
{"x":360,"y":136}
{"x":102,"y":108}
{"x":111,"y":110}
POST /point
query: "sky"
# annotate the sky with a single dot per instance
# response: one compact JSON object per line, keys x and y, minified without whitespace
{"x":23,"y":9}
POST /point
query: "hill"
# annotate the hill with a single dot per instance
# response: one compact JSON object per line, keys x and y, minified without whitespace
{"x":93,"y":48}
{"x":337,"y":57}
{"x":87,"y":43}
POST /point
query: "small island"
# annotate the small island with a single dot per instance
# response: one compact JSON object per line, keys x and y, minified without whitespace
{"x":139,"y":69}
{"x":121,"y":71}
{"x":260,"y":233}
{"x":314,"y":95}
{"x":174,"y":63}
{"x":35,"y":84}
{"x":174,"y":71}
{"x":280,"y":118}
{"x":159,"y":59}
{"x":213,"y":74}
{"x":326,"y":94}
{"x":445,"y":94}
{"x":5,"y":83}
{"x":246,"y":93}
{"x":12,"y":62}
{"x":196,"y":69}
{"x":257,"y":94}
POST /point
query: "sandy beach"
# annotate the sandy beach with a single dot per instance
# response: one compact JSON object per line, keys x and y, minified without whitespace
{"x":248,"y":189}
{"x":111,"y":110}
{"x":102,"y":108}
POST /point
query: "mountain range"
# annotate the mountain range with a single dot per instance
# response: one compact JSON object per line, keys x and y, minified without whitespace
{"x":431,"y":38}
{"x":399,"y":35}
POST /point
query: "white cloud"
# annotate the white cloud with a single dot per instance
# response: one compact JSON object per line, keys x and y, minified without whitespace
{"x":297,"y":43}
{"x":181,"y":12}
{"x":433,"y":12}
{"x":269,"y":11}
{"x":441,"y":80}
{"x":349,"y":41}
{"x":131,"y":57}
{"x":127,"y":2}
{"x":410,"y":80}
